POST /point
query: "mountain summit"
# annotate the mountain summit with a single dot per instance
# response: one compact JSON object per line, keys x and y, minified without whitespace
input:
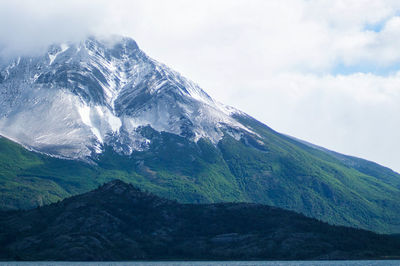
{"x":113,"y":112}
{"x":78,"y":97}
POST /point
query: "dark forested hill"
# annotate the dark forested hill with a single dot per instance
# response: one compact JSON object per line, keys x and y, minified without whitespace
{"x":119,"y":222}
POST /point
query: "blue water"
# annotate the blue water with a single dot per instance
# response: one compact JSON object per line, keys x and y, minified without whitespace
{"x":213,"y":263}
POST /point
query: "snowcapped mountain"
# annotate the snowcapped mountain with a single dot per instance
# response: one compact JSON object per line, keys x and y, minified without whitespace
{"x":78,"y":97}
{"x":93,"y":101}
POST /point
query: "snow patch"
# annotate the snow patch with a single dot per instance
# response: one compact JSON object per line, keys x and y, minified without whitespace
{"x":100,"y":120}
{"x":52,"y":57}
{"x":85,"y":113}
{"x":114,"y":122}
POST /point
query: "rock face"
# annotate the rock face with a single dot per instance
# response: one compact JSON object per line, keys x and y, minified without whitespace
{"x":78,"y":97}
{"x":119,"y":222}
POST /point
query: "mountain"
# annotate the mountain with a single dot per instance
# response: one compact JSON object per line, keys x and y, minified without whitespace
{"x":85,"y":113}
{"x":119,"y":222}
{"x":77,"y":98}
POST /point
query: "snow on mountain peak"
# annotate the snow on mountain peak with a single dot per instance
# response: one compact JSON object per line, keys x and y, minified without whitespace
{"x":78,"y":97}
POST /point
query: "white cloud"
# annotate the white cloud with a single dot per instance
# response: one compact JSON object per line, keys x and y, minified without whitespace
{"x":354,"y":114}
{"x":28,"y":26}
{"x":275,"y":60}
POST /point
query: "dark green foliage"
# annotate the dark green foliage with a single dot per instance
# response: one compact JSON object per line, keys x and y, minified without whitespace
{"x":267,"y":168}
{"x":174,"y":168}
{"x":290,"y":174}
{"x":119,"y":222}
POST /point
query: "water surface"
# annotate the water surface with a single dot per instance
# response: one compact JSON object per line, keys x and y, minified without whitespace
{"x":213,"y":263}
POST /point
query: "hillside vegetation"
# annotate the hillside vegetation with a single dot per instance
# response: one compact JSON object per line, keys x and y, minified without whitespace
{"x":267,"y":168}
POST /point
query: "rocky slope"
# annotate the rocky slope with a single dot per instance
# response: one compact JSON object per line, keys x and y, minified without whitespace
{"x":79,"y":97}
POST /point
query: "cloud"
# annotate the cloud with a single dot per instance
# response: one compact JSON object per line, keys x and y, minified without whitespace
{"x":28,"y":26}
{"x":298,"y":35}
{"x":355,"y":114}
{"x":324,"y":71}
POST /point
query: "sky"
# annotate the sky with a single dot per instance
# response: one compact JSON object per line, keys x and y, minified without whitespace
{"x":327,"y":72}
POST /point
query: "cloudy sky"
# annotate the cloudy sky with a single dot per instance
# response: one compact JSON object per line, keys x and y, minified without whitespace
{"x":324,"y":71}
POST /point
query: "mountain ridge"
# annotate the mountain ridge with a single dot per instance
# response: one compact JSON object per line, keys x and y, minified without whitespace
{"x":110,"y":89}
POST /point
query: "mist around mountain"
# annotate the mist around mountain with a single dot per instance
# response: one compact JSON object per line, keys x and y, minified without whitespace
{"x":119,"y":222}
{"x":89,"y":112}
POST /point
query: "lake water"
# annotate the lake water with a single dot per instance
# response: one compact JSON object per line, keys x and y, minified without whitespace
{"x":214,"y":263}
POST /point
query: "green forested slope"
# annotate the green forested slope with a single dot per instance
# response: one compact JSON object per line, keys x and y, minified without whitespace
{"x":268,"y":168}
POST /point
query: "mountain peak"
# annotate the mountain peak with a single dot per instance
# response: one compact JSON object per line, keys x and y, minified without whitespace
{"x":99,"y":92}
{"x":116,"y":45}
